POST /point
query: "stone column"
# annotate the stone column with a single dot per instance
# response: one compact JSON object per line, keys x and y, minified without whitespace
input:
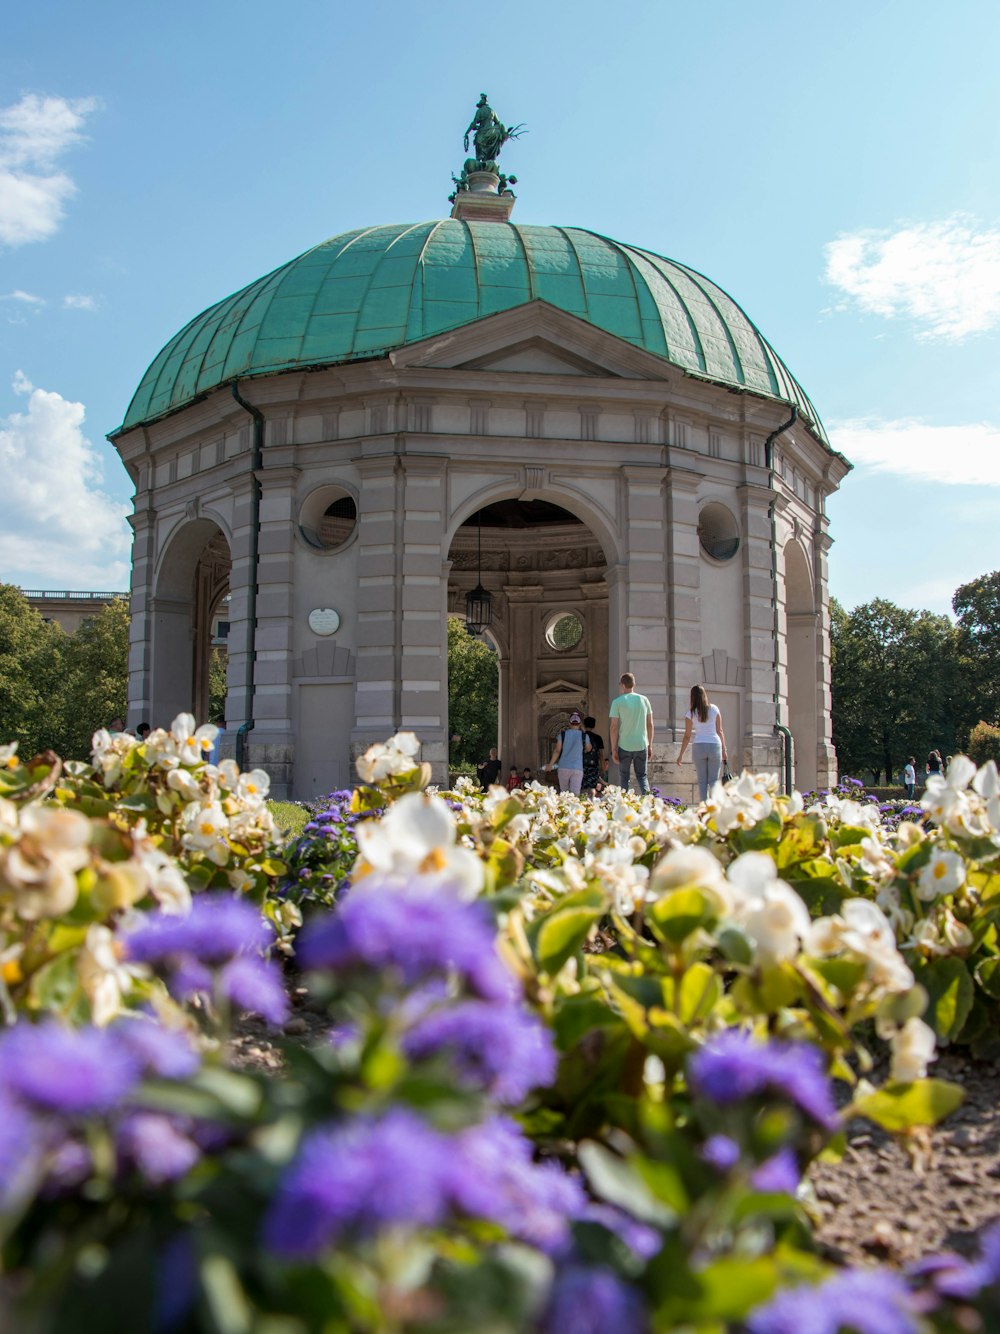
{"x":683,"y":564}
{"x":522,"y":607}
{"x":761,"y":749}
{"x":423,"y":670}
{"x":272,"y":738}
{"x":645,"y":648}
{"x":241,"y":643}
{"x":596,"y":621}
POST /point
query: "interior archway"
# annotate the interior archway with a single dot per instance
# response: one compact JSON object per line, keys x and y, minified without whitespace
{"x":544,"y":568}
{"x":190,"y":622}
{"x":803,"y":665}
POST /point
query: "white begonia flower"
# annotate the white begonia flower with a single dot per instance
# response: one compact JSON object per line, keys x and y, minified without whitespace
{"x":167,"y":883}
{"x":741,"y":804}
{"x":183,"y":781}
{"x":987,"y":784}
{"x":909,"y":833}
{"x":192,"y":743}
{"x":913,"y":1048}
{"x":417,"y":835}
{"x":8,"y":755}
{"x":253,"y":787}
{"x":206,"y":830}
{"x":875,"y":861}
{"x":942,"y":875}
{"x":862,"y":930}
{"x":227,"y":773}
{"x":900,"y":919}
{"x":103,"y":975}
{"x":395,"y":756}
{"x":692,"y":868}
{"x":41,"y":867}
{"x":8,"y":817}
{"x":769,"y":911}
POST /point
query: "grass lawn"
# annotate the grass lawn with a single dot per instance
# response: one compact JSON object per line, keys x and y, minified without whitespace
{"x":290,"y":818}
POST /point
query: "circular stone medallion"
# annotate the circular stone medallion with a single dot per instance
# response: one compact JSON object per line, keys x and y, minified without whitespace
{"x":324,"y":621}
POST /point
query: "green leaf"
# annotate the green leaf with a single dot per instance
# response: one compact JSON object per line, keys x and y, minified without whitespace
{"x":617,"y":1181}
{"x":562,"y":933}
{"x":676,"y":915}
{"x":950,"y":995}
{"x":897,"y":1107}
{"x":988,"y":976}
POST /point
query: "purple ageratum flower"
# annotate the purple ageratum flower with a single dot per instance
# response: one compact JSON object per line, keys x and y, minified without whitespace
{"x":643,"y":1241}
{"x":255,"y":984}
{"x":165,"y":1052}
{"x":499,"y":1048}
{"x":419,"y":929}
{"x":496,"y":1178}
{"x":872,"y":1301}
{"x":361,"y":1176}
{"x":778,"y":1175}
{"x":156,"y":1146}
{"x":720,"y":1152}
{"x":81,"y":1072}
{"x":734,"y":1066}
{"x":377,"y":1172}
{"x":218,"y":927}
{"x":953,"y":1276}
{"x":21,"y":1147}
{"x":593,"y":1301}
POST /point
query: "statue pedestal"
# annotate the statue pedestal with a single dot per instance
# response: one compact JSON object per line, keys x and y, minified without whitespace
{"x":482,"y":205}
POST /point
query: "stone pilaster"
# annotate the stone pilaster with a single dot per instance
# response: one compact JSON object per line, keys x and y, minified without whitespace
{"x":143,"y":522}
{"x":683,"y":582}
{"x":522,"y":607}
{"x":380,"y":524}
{"x":826,"y":756}
{"x":423,"y":672}
{"x":761,"y":751}
{"x":644,"y":652}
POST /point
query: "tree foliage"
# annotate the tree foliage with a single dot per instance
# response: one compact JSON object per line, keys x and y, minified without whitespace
{"x":895,"y":679}
{"x":984,"y":743}
{"x":57,"y":689}
{"x":473,"y":690}
{"x":977,"y":614}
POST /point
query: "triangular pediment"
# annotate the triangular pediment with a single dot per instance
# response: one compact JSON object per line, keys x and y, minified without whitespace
{"x":559,"y":690}
{"x":534,"y":339}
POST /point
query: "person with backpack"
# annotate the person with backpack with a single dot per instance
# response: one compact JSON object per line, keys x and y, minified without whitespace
{"x":568,"y":755}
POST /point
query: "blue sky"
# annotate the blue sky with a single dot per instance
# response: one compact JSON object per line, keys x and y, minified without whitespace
{"x":833,"y":168}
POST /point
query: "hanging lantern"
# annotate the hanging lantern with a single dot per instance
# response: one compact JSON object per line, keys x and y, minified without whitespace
{"x":478,"y":603}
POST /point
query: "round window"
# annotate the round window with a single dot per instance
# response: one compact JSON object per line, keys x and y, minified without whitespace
{"x":718,"y":532}
{"x":328,"y":517}
{"x":563,"y":631}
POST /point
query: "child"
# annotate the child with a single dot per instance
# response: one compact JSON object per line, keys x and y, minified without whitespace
{"x":513,"y":780}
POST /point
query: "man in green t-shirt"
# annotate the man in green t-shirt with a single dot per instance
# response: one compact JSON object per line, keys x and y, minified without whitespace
{"x":631,"y":732}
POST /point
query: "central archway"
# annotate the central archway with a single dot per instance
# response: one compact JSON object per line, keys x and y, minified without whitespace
{"x":546,"y":572}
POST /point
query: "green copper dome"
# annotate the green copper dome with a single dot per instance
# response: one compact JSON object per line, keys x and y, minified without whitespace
{"x":366,"y":292}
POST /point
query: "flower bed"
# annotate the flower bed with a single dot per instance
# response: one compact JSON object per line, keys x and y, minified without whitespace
{"x":580,"y":1056}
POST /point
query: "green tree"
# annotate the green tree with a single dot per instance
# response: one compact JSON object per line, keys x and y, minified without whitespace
{"x":977,"y":613}
{"x":473,"y":688}
{"x":984,"y":743}
{"x":894,"y":678}
{"x":94,"y":684}
{"x":218,"y":666}
{"x":31,"y":662}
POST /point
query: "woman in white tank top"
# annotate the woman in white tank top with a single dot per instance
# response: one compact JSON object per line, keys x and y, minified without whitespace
{"x":703,"y":731}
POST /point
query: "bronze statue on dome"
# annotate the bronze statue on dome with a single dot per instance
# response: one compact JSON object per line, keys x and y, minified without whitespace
{"x":489,"y":135}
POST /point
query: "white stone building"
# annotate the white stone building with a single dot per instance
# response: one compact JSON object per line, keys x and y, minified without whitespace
{"x":343,"y":435}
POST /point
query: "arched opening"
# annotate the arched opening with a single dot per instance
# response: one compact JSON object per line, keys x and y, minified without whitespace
{"x":545,"y":571}
{"x":803,"y":665}
{"x":191,"y":625}
{"x":473,"y":694}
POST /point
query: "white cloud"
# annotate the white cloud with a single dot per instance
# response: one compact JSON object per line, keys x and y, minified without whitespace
{"x":966,"y":455}
{"x":80,"y":301}
{"x":945,"y":276}
{"x":28,"y":298}
{"x":34,"y":135}
{"x":58,"y":527}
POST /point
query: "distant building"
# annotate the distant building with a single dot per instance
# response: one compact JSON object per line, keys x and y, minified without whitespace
{"x":594,"y":437}
{"x":69,"y":608}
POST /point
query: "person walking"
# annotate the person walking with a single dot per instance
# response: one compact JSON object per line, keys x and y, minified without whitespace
{"x":489,"y":770}
{"x":631,"y":719}
{"x":568,"y":755}
{"x":593,"y":759}
{"x":910,"y":777}
{"x":935,"y":764}
{"x":703,"y":727}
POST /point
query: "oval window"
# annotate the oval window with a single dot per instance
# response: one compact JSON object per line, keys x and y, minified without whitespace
{"x":718,"y":532}
{"x":563,"y":631}
{"x":328,"y":517}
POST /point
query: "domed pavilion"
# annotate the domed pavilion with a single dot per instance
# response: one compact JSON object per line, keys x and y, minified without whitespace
{"x":585,"y":450}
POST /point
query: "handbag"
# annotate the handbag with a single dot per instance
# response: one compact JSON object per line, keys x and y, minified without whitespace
{"x":727,"y":777}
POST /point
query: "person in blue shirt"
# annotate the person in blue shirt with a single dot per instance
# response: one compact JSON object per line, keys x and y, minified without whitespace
{"x":567,"y":756}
